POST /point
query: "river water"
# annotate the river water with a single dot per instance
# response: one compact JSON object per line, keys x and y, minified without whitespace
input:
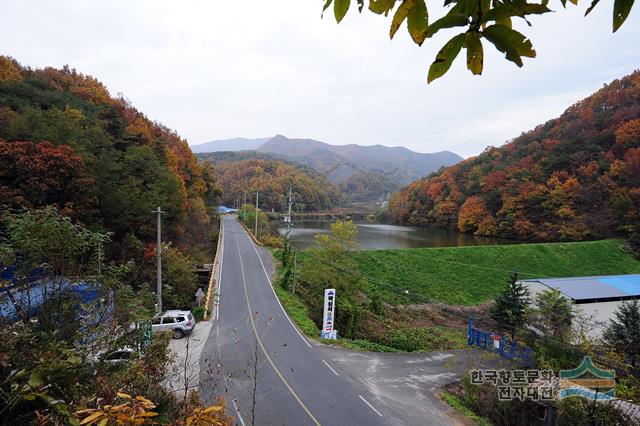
{"x":381,"y":236}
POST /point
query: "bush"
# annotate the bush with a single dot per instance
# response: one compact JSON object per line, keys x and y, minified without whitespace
{"x":199,"y":312}
{"x":272,"y":241}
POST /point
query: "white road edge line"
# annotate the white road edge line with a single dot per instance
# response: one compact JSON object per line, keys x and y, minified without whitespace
{"x":238,"y":411}
{"x":274,"y":292}
{"x":330,"y":368}
{"x":370,"y":406}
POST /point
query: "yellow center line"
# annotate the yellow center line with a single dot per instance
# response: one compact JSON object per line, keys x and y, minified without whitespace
{"x":266,"y":354}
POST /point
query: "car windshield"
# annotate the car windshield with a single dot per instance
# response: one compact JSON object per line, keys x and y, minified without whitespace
{"x":190,"y":316}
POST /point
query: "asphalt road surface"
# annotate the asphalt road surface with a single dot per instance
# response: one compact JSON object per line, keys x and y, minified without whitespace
{"x":257,"y":360}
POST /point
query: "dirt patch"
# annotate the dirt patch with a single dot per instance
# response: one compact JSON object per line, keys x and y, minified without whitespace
{"x":441,"y":318}
{"x":433,"y":314}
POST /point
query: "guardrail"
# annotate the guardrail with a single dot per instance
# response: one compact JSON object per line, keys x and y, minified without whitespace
{"x":211,"y":296}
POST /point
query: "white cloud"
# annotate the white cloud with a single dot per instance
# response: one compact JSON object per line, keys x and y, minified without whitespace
{"x":214,"y":69}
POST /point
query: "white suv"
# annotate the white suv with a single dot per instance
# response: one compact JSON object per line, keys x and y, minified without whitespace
{"x":180,"y":322}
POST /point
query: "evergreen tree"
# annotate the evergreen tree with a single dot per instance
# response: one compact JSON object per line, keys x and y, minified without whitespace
{"x":554,"y":315}
{"x":510,"y":308}
{"x":623,"y":332}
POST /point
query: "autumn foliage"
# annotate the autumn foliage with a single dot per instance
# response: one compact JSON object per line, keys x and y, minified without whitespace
{"x":573,"y":178}
{"x":273,"y":178}
{"x":39,"y":174}
{"x":65,"y":141}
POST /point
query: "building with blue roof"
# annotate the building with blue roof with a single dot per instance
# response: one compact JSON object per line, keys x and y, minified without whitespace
{"x":597,"y":297}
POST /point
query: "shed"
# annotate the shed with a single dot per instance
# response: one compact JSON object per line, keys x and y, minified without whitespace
{"x":597,"y":297}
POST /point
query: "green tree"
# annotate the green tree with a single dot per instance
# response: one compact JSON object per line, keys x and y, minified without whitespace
{"x":553,"y":315}
{"x":623,"y":332}
{"x":489,"y":20}
{"x":328,"y":265}
{"x":247,"y":214}
{"x":510,"y":310}
{"x":179,"y":278}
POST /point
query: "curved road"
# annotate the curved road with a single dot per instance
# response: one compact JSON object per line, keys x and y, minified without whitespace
{"x":258,"y":361}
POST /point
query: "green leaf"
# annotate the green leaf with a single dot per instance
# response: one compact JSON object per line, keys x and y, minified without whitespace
{"x":325,"y":7}
{"x":475,"y":53}
{"x":445,"y":57}
{"x":513,"y":8}
{"x":381,"y":6}
{"x":594,"y":3}
{"x":418,"y":21}
{"x":35,"y":380}
{"x":340,"y":8}
{"x":471,"y":7}
{"x":400,"y":15}
{"x":512,"y":43}
{"x":505,"y":22}
{"x":621,"y":9}
{"x":448,"y":21}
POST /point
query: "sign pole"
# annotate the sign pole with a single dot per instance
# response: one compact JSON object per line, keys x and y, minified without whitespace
{"x":328,"y":319}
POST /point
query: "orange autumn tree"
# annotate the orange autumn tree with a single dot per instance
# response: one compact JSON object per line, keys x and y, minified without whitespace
{"x":471,"y":214}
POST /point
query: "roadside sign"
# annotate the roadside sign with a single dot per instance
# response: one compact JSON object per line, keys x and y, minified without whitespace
{"x":328,"y":318}
{"x":199,"y":296}
{"x":145,"y":334}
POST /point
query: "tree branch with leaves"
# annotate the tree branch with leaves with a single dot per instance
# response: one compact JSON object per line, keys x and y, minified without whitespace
{"x":490,"y":20}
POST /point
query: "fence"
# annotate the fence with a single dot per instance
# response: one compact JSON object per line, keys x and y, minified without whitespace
{"x":502,"y":345}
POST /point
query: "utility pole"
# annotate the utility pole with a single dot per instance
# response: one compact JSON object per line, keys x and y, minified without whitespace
{"x":256,"y":233}
{"x":159,"y":214}
{"x":244,"y":209}
{"x":287,"y":220}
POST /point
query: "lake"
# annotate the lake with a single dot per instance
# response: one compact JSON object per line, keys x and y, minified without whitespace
{"x":381,"y":236}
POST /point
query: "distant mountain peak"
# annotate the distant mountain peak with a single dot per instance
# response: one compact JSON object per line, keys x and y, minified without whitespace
{"x":233,"y":144}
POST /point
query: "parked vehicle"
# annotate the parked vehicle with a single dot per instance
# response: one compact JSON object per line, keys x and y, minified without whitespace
{"x":123,"y":354}
{"x":180,"y":323}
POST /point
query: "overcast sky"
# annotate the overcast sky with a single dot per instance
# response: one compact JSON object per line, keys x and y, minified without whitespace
{"x":213,"y":69}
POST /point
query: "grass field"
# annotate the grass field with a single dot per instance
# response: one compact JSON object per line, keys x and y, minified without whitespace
{"x":472,"y":275}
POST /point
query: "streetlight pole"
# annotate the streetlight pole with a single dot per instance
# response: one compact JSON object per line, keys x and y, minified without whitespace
{"x":244,"y":208}
{"x":288,"y":221}
{"x":159,"y":214}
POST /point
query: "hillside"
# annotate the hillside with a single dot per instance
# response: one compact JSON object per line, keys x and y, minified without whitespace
{"x":358,"y":186}
{"x":238,"y":172}
{"x":363,"y":174}
{"x":234,"y":144}
{"x":575,"y":177}
{"x":64,"y":141}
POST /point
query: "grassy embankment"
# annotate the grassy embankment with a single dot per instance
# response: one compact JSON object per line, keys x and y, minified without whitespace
{"x":463,"y":276}
{"x":472,"y":275}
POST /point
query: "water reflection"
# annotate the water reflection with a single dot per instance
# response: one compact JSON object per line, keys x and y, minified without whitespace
{"x":380,"y":236}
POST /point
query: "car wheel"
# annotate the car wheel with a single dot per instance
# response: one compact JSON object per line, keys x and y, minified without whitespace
{"x":178,"y":334}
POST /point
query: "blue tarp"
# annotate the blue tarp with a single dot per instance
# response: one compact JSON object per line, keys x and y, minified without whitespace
{"x":30,"y":292}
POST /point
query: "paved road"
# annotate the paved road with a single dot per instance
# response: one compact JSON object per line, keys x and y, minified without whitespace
{"x":258,"y":361}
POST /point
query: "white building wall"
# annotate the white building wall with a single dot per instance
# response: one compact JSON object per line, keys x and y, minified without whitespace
{"x":593,"y":313}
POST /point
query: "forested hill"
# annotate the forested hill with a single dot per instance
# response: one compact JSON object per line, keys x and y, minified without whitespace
{"x":572,"y":178}
{"x":64,"y":141}
{"x":244,"y":171}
